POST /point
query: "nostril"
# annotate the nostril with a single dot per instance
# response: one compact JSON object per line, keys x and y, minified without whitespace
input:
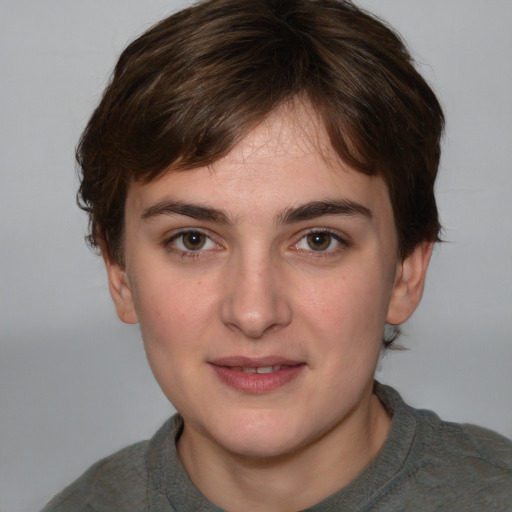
{"x":254,"y":303}
{"x":256,"y":324}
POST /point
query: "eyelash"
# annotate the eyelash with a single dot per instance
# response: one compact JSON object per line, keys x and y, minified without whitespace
{"x":334,"y":237}
{"x":184,"y":252}
{"x":170,"y":243}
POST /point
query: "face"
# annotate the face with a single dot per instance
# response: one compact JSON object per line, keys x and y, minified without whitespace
{"x":262,"y":286}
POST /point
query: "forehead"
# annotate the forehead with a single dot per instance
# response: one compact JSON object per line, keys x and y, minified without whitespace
{"x":286,"y":160}
{"x":294,"y":129}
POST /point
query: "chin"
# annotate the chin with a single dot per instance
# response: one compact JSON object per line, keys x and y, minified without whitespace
{"x":260,"y":436}
{"x":261,"y":448}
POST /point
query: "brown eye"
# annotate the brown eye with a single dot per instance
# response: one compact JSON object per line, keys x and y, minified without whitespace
{"x":194,"y":240}
{"x":191,"y":243}
{"x":319,"y":241}
{"x":324,"y":242}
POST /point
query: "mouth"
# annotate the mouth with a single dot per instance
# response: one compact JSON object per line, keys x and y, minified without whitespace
{"x":257,"y":376}
{"x":260,"y":369}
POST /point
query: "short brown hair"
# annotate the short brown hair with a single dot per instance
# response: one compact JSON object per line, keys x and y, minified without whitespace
{"x":186,"y":91}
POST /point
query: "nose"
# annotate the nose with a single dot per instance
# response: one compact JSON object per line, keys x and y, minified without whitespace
{"x":255,"y":301}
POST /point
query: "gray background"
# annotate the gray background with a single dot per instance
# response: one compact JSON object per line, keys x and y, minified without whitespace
{"x":74,"y":383}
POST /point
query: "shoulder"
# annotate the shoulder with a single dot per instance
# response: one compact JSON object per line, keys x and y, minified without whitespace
{"x":117,"y":482}
{"x":465,"y":466}
{"x":468,"y":467}
{"x":483,"y":450}
{"x":451,"y":466}
{"x":126,"y":480}
{"x":490,"y":446}
{"x":440,"y":441}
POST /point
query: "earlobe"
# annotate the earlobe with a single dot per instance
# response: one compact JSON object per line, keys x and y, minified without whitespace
{"x":121,"y":293}
{"x":409,"y":284}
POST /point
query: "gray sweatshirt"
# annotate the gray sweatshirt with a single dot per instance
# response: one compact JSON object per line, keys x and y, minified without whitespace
{"x":425,"y":465}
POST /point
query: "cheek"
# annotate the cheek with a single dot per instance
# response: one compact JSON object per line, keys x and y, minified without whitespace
{"x":346,"y":317}
{"x":173,"y":322}
{"x":174,"y":314}
{"x":171,"y":303}
{"x":350,"y":304}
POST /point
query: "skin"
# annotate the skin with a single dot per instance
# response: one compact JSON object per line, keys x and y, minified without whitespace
{"x":251,"y":281}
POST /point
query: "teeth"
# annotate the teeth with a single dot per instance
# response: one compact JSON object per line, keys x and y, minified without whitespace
{"x":265,"y":369}
{"x":260,"y":369}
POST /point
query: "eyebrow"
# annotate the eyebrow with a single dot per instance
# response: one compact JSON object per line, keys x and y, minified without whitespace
{"x":316,"y":209}
{"x":194,"y":211}
{"x":299,"y":213}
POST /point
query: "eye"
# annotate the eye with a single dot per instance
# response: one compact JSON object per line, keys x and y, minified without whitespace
{"x":320,"y":241}
{"x":191,"y":241}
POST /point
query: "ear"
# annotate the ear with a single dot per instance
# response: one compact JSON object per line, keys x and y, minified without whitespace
{"x":121,"y":292}
{"x":409,"y":284}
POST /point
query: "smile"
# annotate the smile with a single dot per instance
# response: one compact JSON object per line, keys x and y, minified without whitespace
{"x":258,"y":376}
{"x":259,"y":369}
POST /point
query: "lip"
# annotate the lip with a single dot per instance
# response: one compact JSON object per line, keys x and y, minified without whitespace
{"x":229,"y":371}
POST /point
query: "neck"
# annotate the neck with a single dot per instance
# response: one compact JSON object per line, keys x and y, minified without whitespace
{"x":292,"y":481}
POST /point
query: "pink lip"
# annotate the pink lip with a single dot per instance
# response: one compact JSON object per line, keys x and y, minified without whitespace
{"x":229,"y":371}
{"x":254,"y":362}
